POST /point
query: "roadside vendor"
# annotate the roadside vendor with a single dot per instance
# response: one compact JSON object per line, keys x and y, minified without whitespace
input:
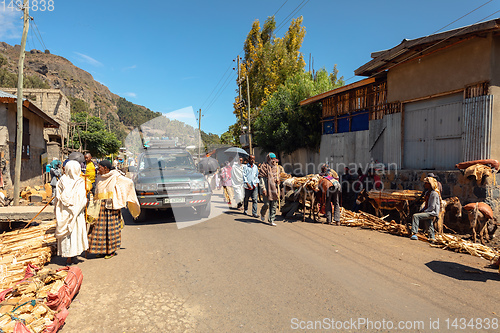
{"x":430,"y":210}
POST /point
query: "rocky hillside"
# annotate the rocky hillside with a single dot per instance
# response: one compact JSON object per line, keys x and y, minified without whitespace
{"x":60,"y":73}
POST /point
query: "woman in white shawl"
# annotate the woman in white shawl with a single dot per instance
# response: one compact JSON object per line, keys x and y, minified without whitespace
{"x":237,"y":182}
{"x":71,"y":199}
{"x":114,"y":191}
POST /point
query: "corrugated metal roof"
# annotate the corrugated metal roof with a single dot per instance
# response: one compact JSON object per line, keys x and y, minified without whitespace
{"x":384,"y":59}
{"x":7,"y":95}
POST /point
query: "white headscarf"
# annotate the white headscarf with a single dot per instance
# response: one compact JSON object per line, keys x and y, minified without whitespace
{"x":71,"y":199}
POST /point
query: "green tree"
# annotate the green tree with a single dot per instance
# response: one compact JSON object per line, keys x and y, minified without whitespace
{"x":93,"y":135}
{"x":268,"y":62}
{"x":78,"y":105}
{"x":134,"y":115}
{"x":283,"y":125}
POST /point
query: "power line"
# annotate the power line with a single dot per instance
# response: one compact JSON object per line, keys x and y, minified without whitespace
{"x":295,"y":11}
{"x":226,"y":82}
{"x":41,"y":38}
{"x":458,"y":19}
{"x":223,"y":75}
{"x":439,"y":42}
{"x":220,"y":91}
{"x":280,"y":7}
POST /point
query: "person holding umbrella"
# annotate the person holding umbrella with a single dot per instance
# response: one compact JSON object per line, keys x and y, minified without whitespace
{"x":269,"y":183}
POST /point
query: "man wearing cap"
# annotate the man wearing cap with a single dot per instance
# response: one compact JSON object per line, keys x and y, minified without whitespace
{"x":269,"y":183}
{"x":431,"y":208}
{"x":439,"y":185}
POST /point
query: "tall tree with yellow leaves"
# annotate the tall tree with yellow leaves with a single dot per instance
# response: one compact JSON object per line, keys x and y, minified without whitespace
{"x":268,"y":62}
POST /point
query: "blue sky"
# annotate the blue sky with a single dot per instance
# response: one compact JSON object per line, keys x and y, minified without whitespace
{"x":177,"y":56}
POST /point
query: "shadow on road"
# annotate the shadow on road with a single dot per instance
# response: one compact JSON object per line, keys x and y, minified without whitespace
{"x":462,"y":272}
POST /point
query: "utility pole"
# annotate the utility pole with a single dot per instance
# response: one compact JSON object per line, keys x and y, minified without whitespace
{"x":248,"y":105}
{"x":19,"y":137}
{"x":199,"y":136}
{"x":239,"y":91}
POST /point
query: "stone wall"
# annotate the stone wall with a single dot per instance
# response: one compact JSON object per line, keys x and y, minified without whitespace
{"x":54,"y":103}
{"x":455,"y":184}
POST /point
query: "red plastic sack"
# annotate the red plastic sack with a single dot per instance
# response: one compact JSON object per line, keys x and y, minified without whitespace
{"x":59,"y":319}
{"x":465,"y":165}
{"x":483,"y":208}
{"x":20,"y":328}
{"x":71,"y":286}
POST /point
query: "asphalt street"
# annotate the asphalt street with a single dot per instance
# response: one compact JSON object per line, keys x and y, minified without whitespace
{"x":233,"y":273}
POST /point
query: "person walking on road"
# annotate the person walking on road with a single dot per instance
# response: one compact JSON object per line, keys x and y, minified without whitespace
{"x":225,"y":179}
{"x":71,"y":199}
{"x":237,"y":182}
{"x":114,"y":191}
{"x":269,"y":182}
{"x":251,"y":185}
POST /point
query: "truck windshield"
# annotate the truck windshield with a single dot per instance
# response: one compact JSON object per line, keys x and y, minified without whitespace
{"x":166,"y":161}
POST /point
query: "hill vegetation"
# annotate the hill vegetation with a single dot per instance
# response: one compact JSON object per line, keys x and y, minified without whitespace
{"x":89,"y":98}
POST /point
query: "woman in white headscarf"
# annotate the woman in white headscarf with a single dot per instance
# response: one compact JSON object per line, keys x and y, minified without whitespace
{"x":71,"y":199}
{"x":237,"y":182}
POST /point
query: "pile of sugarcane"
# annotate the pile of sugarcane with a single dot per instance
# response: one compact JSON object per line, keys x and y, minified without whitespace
{"x":19,"y":247}
{"x":444,"y":241}
{"x":369,"y":221}
{"x":400,"y":195}
{"x":454,"y":243}
{"x":26,"y":301}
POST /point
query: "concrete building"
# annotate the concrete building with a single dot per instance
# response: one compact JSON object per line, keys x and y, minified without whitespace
{"x":427,"y":104}
{"x":55,"y":104}
{"x":35,"y":121}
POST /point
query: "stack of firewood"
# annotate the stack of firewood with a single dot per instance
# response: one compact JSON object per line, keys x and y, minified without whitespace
{"x":19,"y":247}
{"x":369,"y":221}
{"x":26,"y":302}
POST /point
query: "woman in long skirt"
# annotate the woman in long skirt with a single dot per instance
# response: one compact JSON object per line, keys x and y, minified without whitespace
{"x":114,"y":191}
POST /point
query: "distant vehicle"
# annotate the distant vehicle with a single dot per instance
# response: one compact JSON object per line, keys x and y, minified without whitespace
{"x":167,"y":178}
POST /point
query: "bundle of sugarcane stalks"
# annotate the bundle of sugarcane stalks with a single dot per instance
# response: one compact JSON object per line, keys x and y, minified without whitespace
{"x":369,"y":221}
{"x":19,"y":247}
{"x":310,"y":181}
{"x":26,"y":302}
{"x":444,"y":241}
{"x":454,"y":243}
{"x":400,"y":195}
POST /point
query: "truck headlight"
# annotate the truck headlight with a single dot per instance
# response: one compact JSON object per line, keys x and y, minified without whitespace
{"x":198,"y":186}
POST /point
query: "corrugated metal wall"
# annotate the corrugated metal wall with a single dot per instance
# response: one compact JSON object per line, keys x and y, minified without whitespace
{"x":477,"y":127}
{"x":392,"y":139}
{"x":433,"y":133}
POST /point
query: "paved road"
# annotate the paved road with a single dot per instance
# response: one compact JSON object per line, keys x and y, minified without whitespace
{"x":233,"y":273}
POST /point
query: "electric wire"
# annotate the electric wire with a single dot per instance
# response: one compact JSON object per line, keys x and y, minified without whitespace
{"x":41,"y":38}
{"x":222,"y":77}
{"x":294,"y":12}
{"x":223,"y":87}
{"x":437,"y":43}
{"x":461,"y":17}
{"x":280,"y":7}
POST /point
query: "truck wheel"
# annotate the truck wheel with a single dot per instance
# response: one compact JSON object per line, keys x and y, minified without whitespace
{"x":142,"y":216}
{"x":204,"y":211}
